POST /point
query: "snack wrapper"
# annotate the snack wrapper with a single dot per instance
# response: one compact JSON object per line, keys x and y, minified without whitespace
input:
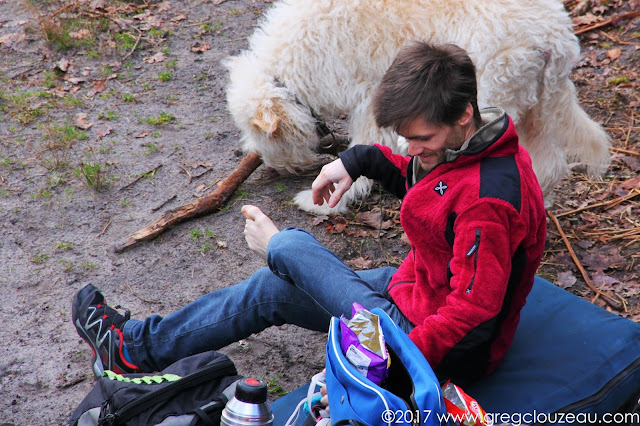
{"x":363,"y":344}
{"x":462,"y":407}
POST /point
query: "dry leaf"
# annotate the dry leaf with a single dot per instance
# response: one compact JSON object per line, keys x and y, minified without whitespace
{"x":338,"y":226}
{"x":200,"y":46}
{"x":586,"y":19}
{"x":630,"y":184}
{"x":585,"y":244}
{"x":123,"y":23}
{"x":99,"y":86}
{"x":80,"y":121}
{"x":318,"y":220}
{"x":142,"y":134}
{"x":600,"y":9}
{"x":603,"y":281}
{"x":102,"y":130}
{"x":361,"y":263}
{"x":9,"y":39}
{"x":632,"y":162}
{"x":178,"y":18}
{"x":158,"y":57}
{"x":83,"y":33}
{"x":143,"y":15}
{"x":163,"y":7}
{"x":58,"y":91}
{"x":16,"y":23}
{"x":565,"y":279}
{"x":195,"y":164}
{"x":604,"y":258}
{"x":63,"y":64}
{"x":359,"y":232}
{"x":373,"y":218}
{"x":76,"y":80}
{"x":614,"y":54}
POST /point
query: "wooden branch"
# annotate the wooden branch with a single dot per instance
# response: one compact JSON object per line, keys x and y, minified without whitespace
{"x":624,"y":151}
{"x":612,"y":302}
{"x":607,"y":204}
{"x":134,"y":46}
{"x":204,"y":205}
{"x":606,"y":22}
{"x":143,"y":175}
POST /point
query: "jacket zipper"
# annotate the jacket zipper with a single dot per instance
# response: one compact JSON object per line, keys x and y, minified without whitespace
{"x":398,"y":283}
{"x":473,"y":251}
{"x":221,"y":368}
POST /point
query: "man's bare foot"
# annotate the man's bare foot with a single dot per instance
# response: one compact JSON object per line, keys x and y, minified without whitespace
{"x":258,"y":230}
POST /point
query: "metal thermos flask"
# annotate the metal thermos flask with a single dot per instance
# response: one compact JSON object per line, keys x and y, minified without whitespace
{"x":249,"y":406}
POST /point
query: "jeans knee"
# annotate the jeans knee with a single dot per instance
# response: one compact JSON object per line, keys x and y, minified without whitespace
{"x":262,"y":275}
{"x":287,"y":242}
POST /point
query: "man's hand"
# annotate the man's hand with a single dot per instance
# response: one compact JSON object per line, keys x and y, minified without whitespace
{"x":325,"y":398}
{"x":332,"y":182}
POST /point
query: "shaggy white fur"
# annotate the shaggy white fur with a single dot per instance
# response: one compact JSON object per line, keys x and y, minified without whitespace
{"x":329,"y":55}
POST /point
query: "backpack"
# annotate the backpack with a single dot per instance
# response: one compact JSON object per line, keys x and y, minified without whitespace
{"x":411,"y":395}
{"x":191,"y":391}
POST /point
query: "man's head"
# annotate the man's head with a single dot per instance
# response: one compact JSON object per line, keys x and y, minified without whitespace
{"x":428,"y":95}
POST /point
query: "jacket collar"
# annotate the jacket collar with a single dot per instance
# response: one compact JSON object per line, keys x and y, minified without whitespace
{"x":495,"y":122}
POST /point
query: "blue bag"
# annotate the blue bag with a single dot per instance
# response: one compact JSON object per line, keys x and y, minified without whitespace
{"x":568,"y":356}
{"x":410,"y":395}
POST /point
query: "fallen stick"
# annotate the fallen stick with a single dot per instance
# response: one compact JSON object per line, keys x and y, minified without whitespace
{"x":612,"y":302}
{"x":624,"y":151}
{"x":203,"y":205}
{"x":143,"y":175}
{"x":607,"y":204}
{"x":606,"y":22}
{"x":134,"y":46}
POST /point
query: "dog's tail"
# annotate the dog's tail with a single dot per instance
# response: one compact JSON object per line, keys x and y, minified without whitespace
{"x":585,"y":141}
{"x":557,"y":129}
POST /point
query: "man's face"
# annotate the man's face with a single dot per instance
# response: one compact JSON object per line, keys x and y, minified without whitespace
{"x":428,"y":142}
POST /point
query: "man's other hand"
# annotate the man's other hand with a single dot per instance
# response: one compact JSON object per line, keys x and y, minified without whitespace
{"x":258,"y":230}
{"x":332,"y":182}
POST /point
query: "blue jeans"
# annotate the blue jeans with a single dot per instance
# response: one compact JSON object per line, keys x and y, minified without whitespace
{"x":305,"y":284}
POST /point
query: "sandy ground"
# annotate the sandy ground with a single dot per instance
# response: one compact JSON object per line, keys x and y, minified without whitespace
{"x":57,"y":233}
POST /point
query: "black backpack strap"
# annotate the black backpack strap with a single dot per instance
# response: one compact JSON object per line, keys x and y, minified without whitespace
{"x":208,"y":415}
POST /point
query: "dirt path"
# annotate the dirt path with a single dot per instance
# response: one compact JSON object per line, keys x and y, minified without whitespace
{"x":160,"y":136}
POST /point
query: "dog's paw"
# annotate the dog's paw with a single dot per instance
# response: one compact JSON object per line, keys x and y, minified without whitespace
{"x":304,"y":201}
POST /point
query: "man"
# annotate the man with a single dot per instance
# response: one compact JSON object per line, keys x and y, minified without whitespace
{"x":472,"y":210}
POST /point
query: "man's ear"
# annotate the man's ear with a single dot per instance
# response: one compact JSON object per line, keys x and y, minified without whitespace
{"x":467,"y":116}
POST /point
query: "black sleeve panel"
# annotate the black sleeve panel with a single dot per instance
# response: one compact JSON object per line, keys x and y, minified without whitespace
{"x":370,"y":161}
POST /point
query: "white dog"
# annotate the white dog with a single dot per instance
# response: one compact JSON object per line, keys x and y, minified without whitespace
{"x":312,"y":58}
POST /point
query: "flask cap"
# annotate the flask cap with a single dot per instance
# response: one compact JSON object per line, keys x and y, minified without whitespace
{"x":252,"y":391}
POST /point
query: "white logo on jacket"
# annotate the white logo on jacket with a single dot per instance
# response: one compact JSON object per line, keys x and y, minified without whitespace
{"x":441,"y":188}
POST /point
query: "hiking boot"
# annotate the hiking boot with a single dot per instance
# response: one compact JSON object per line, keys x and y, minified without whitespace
{"x":100,"y":326}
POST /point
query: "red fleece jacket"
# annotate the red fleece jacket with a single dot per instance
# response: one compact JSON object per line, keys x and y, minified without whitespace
{"x":477,"y":228}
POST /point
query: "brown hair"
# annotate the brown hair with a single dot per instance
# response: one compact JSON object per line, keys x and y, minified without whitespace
{"x":435,"y":82}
